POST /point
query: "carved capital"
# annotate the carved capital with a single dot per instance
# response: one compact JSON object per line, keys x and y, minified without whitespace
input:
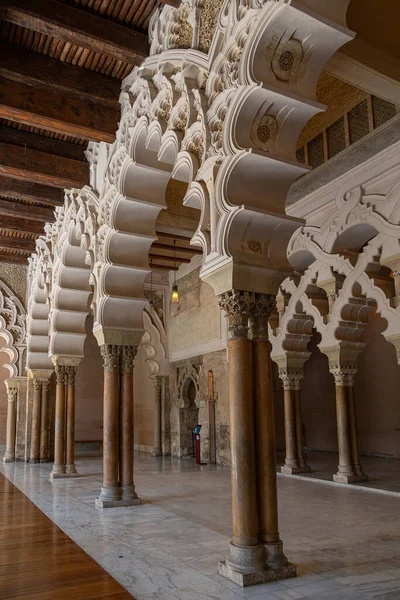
{"x":343,"y":376}
{"x":110,"y":354}
{"x":12,"y":394}
{"x":45,"y":385}
{"x":237,"y":306}
{"x":128,"y":354}
{"x":263,"y":306}
{"x":70,"y":375}
{"x":60,"y":374}
{"x":291,"y":381}
{"x":37,"y":385}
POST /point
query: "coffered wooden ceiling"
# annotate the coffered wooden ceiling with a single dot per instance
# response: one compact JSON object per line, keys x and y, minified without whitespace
{"x":61,"y":65}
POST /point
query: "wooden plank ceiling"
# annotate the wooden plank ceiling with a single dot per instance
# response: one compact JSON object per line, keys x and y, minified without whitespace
{"x":61,"y":65}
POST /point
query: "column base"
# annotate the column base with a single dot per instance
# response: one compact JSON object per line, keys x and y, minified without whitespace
{"x":356,"y":478}
{"x":45,"y":460}
{"x":274,"y":555}
{"x":63,"y":475}
{"x":34,"y":461}
{"x":116,"y":497}
{"x":8,"y":457}
{"x":246,"y":566}
{"x":294,"y":470}
{"x":156,"y":452}
{"x":71,"y":470}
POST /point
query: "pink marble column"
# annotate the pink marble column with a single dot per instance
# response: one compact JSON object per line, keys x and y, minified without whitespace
{"x":70,"y":468}
{"x":59,"y":434}
{"x":36,"y":414}
{"x":12,"y":395}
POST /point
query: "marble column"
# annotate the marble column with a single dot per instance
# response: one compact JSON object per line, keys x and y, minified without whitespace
{"x":126,"y":440}
{"x":45,"y":424}
{"x":246,"y":563}
{"x":304,"y":468}
{"x":36,"y":414}
{"x":12,"y":395}
{"x":70,"y":375}
{"x":294,"y":455}
{"x":110,"y":494}
{"x":265,"y":450}
{"x":59,"y":437}
{"x":347,"y":472}
{"x":157,"y":418}
{"x":353,"y":431}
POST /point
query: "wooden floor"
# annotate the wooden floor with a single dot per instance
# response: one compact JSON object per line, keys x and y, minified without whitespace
{"x":40,"y":562}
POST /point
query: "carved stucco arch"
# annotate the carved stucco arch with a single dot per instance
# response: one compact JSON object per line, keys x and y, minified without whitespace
{"x":12,"y":330}
{"x":190,"y":373}
{"x":39,"y":274}
{"x":154,"y":343}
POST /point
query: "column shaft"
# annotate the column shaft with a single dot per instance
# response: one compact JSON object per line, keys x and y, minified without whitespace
{"x":343,"y":430}
{"x":36,"y":410}
{"x":291,"y":462}
{"x":59,"y":439}
{"x":126,"y":427}
{"x":70,"y":429}
{"x":265,"y":444}
{"x":111,"y":429}
{"x":354,"y":435}
{"x":45,"y":424}
{"x":12,"y":395}
{"x":299,"y":431}
{"x":157,"y":418}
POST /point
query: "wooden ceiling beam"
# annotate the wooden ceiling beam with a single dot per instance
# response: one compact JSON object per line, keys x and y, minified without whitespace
{"x":52,"y":111}
{"x":16,"y":209}
{"x":13,"y":258}
{"x":21,"y":225}
{"x":17,"y":189}
{"x":24,"y":139}
{"x":14,"y":243}
{"x":38,"y":70}
{"x":40,"y":167}
{"x":76,"y":26}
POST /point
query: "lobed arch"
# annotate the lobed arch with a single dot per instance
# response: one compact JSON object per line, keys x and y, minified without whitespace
{"x":39,"y":307}
{"x":12,"y":330}
{"x":154,"y":342}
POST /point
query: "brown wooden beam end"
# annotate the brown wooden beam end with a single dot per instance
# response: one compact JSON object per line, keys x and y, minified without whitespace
{"x":38,"y":70}
{"x":52,"y":111}
{"x":79,"y":27}
{"x":43,"y":168}
{"x":18,"y":189}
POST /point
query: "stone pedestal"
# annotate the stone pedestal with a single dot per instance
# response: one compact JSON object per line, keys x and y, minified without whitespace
{"x":349,"y":468}
{"x":118,"y":482}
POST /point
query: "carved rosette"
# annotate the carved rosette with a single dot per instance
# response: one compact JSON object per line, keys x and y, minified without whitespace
{"x":128,"y":354}
{"x":60,"y":374}
{"x":237,"y":306}
{"x":70,"y":375}
{"x":343,"y":376}
{"x":263,"y":306}
{"x":110,"y":354}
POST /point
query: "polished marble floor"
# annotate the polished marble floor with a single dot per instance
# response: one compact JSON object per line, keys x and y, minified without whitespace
{"x":345,"y":543}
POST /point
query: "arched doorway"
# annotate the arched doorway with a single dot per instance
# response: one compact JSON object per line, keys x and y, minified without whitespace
{"x":189,"y":416}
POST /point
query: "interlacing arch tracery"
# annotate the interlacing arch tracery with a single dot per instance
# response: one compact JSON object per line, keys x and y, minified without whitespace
{"x":12,"y":330}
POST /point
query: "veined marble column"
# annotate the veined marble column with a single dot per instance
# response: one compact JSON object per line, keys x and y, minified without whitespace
{"x":59,"y":438}
{"x":265,"y":449}
{"x":70,"y":374}
{"x":45,"y":424}
{"x":110,"y":494}
{"x":157,"y":418}
{"x":299,"y":429}
{"x":353,"y":431}
{"x":12,"y":395}
{"x":36,"y":414}
{"x":347,"y":472}
{"x":126,"y":440}
{"x":245,"y":564}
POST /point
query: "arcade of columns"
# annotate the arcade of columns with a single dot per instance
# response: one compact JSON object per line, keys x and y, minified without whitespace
{"x":218,"y":105}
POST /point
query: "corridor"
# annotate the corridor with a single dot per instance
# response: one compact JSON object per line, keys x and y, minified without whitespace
{"x":345,"y":542}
